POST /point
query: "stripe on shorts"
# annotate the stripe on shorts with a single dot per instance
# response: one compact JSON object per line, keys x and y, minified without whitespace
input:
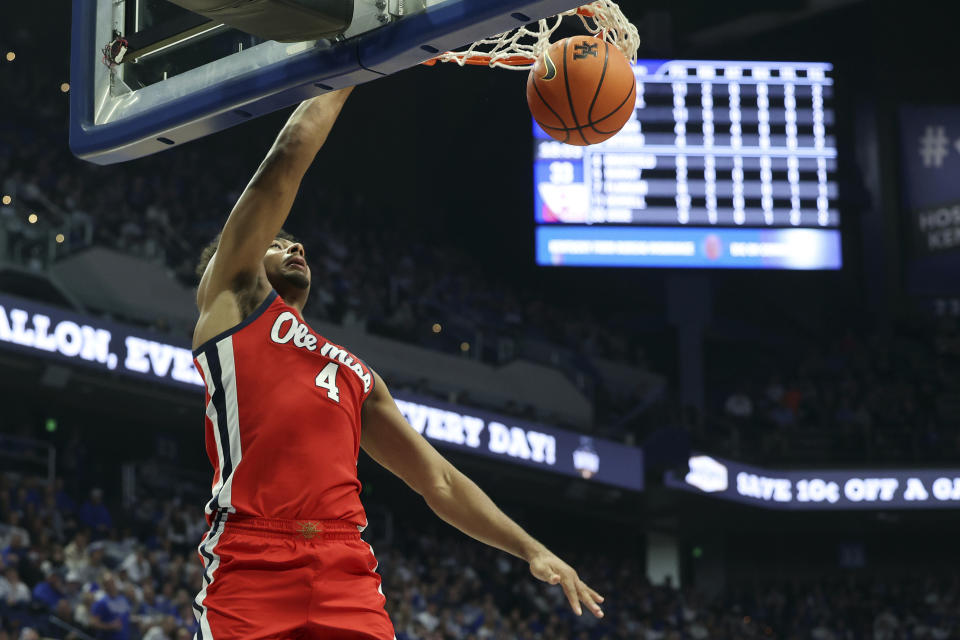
{"x":208,"y":551}
{"x":376,"y":563}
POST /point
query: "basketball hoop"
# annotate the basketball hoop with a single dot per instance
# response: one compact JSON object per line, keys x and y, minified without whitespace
{"x":519,"y":49}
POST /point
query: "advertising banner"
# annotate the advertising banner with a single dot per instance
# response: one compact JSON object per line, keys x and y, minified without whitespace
{"x":824,"y":490}
{"x":702,"y":248}
{"x":39,"y":330}
{"x":533,"y":445}
{"x":930,"y":163}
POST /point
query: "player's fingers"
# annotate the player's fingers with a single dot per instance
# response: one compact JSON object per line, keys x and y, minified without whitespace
{"x":596,"y":596}
{"x":570,"y":590}
{"x":588,"y":599}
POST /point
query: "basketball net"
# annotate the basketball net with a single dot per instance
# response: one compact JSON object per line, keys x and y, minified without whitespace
{"x":519,"y":49}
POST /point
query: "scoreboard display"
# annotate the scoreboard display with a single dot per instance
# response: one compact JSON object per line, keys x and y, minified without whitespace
{"x":723,"y":164}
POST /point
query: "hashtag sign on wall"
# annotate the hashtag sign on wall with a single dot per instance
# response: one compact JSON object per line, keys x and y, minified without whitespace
{"x":934,"y":146}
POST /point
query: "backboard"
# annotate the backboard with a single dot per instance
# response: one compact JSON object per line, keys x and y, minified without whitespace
{"x":147,"y":75}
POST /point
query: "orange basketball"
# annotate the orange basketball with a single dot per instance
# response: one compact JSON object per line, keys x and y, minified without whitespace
{"x":581,"y":90}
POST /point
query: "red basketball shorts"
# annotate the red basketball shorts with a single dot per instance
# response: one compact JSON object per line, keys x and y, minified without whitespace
{"x":290,"y":579}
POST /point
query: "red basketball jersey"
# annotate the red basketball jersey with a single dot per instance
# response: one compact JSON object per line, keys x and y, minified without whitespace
{"x":283,"y":418}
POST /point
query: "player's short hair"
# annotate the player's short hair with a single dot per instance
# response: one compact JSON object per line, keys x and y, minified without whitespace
{"x":207,"y":254}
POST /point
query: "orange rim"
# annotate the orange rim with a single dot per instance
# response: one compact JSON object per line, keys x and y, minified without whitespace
{"x":484,"y":61}
{"x":513,"y":61}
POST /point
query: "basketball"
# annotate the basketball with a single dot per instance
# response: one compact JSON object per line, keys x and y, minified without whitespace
{"x":581,"y":90}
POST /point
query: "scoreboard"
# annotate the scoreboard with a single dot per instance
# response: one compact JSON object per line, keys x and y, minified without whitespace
{"x":723,"y":164}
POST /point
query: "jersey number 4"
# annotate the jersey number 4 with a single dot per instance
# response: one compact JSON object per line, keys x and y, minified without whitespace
{"x":327,"y":379}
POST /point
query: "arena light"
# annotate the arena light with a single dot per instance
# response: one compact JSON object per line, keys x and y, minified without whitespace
{"x":65,"y":87}
{"x":6,"y":200}
{"x":60,"y":238}
{"x":11,"y":56}
{"x":464,"y":346}
{"x":437,"y":328}
{"x":32,"y":218}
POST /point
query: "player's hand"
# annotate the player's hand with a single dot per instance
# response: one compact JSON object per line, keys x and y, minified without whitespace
{"x":320,"y":113}
{"x":326,"y":106}
{"x":336,"y":97}
{"x":551,"y":569}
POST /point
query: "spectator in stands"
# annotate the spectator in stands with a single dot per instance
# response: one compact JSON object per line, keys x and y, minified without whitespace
{"x":150,"y":605}
{"x":26,"y":498}
{"x":50,"y":591}
{"x":13,"y":592}
{"x":55,"y":517}
{"x":95,"y":566}
{"x":165,"y":599}
{"x":136,"y":565}
{"x":110,"y":612}
{"x":12,"y":527}
{"x":75,"y":554}
{"x":428,"y":617}
{"x":82,"y":610}
{"x":94,"y":514}
{"x":65,"y":503}
{"x":16,"y":550}
{"x":166,"y":629}
{"x":739,"y":405}
{"x":179,"y":530}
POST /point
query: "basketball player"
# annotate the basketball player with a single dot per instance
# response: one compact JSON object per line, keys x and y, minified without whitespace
{"x":284,"y":408}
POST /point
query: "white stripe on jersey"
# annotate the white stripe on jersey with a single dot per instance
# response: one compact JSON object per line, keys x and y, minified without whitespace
{"x":228,"y":378}
{"x":212,"y":415}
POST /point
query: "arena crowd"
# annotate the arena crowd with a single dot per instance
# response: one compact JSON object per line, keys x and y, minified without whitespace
{"x":881,"y":397}
{"x":74,"y":567}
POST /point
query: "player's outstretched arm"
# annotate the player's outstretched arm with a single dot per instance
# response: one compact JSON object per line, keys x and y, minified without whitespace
{"x":388,"y":439}
{"x":265,"y":203}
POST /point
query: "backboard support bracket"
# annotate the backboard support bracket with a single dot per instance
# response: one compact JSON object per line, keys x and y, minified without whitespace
{"x":167,"y":33}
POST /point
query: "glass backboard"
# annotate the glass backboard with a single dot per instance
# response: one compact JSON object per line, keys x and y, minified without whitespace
{"x":147,"y":75}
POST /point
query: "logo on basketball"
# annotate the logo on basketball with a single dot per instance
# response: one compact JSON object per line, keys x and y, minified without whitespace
{"x":581,"y":90}
{"x":551,"y":72}
{"x":581,"y":51}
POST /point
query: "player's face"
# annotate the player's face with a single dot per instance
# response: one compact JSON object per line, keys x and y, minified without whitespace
{"x":286,"y":266}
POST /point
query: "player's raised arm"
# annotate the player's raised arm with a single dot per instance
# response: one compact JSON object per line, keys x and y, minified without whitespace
{"x":265,"y":203}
